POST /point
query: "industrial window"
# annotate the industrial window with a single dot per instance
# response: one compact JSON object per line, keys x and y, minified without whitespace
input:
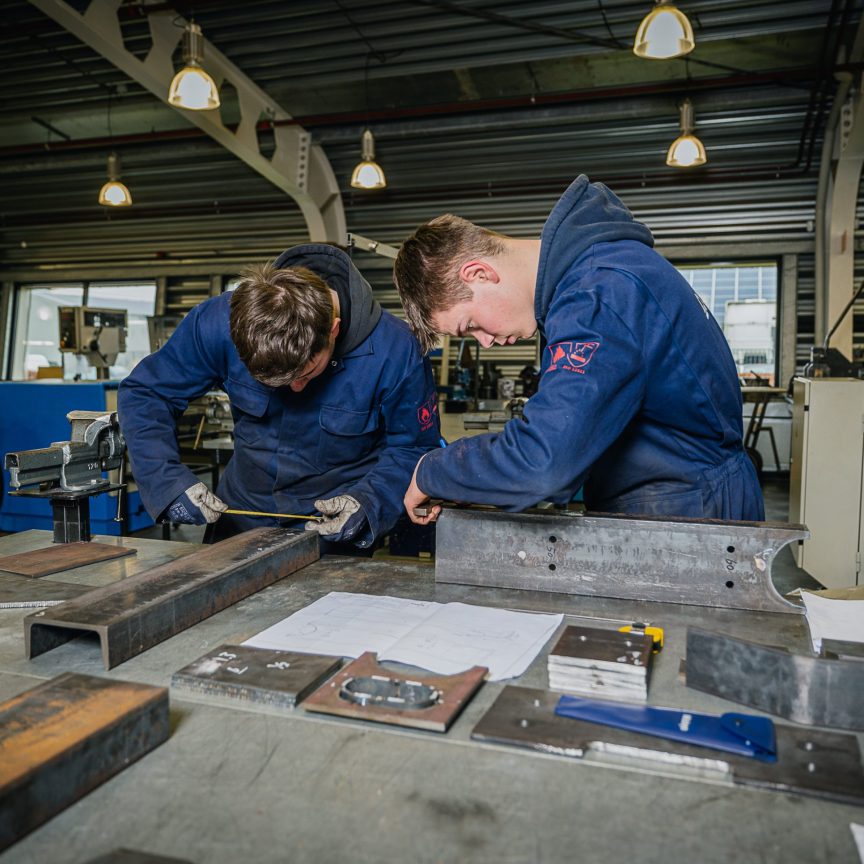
{"x":35,"y":344}
{"x":743,"y":299}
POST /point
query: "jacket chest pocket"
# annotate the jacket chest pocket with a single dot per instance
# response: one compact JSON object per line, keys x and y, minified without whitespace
{"x":346,"y":436}
{"x":249,"y":406}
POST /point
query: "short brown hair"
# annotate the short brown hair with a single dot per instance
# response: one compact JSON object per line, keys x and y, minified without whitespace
{"x":427,"y":267}
{"x":280,"y":319}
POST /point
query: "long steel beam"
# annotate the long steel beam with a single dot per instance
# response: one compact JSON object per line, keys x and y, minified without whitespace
{"x":134,"y":614}
{"x":298,"y":167}
{"x":699,"y":562}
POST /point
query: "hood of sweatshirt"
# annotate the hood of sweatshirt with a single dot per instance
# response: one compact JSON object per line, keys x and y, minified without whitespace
{"x":359,"y":311}
{"x":587,"y":213}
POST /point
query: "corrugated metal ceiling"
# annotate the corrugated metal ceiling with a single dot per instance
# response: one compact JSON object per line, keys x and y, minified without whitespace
{"x":491,"y":118}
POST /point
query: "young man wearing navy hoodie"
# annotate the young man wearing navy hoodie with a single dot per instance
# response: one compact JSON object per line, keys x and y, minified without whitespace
{"x":333,"y":403}
{"x":639,"y":401}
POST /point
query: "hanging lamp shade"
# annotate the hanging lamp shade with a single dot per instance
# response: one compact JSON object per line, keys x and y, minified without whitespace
{"x":114,"y":193}
{"x":192,"y":87}
{"x":665,"y":32}
{"x":686,"y":151}
{"x":368,"y":174}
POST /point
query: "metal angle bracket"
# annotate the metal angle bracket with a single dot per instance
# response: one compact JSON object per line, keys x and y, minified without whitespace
{"x":700,"y":562}
{"x":298,"y":167}
{"x":809,"y":761}
{"x":137,"y":613}
{"x":814,"y":691}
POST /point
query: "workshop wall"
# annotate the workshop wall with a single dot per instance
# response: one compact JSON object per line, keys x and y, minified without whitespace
{"x":487,"y":118}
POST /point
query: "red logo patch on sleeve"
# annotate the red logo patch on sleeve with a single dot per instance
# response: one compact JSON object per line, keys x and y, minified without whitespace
{"x":427,"y":412}
{"x":572,"y":356}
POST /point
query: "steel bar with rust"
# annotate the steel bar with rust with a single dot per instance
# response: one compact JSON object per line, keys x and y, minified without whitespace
{"x":60,"y":740}
{"x":134,"y":614}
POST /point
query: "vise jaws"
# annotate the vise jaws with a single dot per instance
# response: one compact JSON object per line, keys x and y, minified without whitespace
{"x":68,"y":472}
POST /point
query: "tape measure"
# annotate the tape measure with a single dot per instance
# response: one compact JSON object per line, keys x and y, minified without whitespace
{"x":645,"y":629}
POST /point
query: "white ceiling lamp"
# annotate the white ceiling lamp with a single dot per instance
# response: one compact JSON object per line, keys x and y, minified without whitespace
{"x":368,"y":174}
{"x":686,"y":151}
{"x":114,"y":193}
{"x":665,"y":32}
{"x":192,"y":87}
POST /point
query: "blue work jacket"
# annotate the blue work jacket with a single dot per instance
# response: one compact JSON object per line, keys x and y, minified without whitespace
{"x":358,"y":428}
{"x":639,"y":397}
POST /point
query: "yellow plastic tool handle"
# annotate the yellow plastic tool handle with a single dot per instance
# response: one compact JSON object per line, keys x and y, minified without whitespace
{"x":277,"y":515}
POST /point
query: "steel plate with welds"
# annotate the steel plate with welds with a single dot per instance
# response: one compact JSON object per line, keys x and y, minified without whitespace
{"x":701,"y":562}
{"x":60,"y":740}
{"x":815,"y":691}
{"x":453,"y":694}
{"x":21,"y":592}
{"x":61,"y":556}
{"x":809,"y":761}
{"x":259,"y":675}
{"x":135,"y":614}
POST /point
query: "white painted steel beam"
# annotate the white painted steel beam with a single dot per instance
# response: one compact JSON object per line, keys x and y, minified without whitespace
{"x":298,"y":167}
{"x":842,"y":221}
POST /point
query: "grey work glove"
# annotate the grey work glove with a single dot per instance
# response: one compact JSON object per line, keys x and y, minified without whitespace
{"x":345,"y":518}
{"x":196,"y":506}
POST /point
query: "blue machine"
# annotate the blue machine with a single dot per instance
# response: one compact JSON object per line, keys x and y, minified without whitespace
{"x":34,"y":415}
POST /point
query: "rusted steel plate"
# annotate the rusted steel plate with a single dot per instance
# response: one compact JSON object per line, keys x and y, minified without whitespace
{"x":135,"y":614}
{"x":255,"y":675}
{"x":449,"y":694}
{"x":60,"y":740}
{"x":61,"y":556}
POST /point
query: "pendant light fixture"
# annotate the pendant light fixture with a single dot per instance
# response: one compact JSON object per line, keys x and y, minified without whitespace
{"x":686,"y":151}
{"x":664,"y":33}
{"x":192,"y":87}
{"x":368,"y":174}
{"x":114,"y":193}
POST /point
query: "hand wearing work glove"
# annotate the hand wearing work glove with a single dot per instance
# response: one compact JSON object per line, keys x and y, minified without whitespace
{"x":196,"y":506}
{"x":345,"y":518}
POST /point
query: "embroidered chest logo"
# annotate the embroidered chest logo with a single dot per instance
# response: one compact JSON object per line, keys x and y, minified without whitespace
{"x":426,"y":413}
{"x":572,"y":356}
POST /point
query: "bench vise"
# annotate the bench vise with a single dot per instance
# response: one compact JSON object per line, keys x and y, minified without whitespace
{"x":68,"y":472}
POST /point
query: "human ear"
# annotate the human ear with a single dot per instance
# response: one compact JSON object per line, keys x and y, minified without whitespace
{"x":477,"y":271}
{"x":334,"y":328}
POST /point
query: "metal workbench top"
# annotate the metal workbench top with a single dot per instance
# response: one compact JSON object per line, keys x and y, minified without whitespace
{"x":243,"y":784}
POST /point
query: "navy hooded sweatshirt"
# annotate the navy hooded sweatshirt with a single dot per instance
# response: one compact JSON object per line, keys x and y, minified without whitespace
{"x":639,"y":398}
{"x":358,"y":428}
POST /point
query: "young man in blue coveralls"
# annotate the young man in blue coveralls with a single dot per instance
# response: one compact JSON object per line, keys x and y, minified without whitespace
{"x":639,"y":398}
{"x":333,"y":403}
